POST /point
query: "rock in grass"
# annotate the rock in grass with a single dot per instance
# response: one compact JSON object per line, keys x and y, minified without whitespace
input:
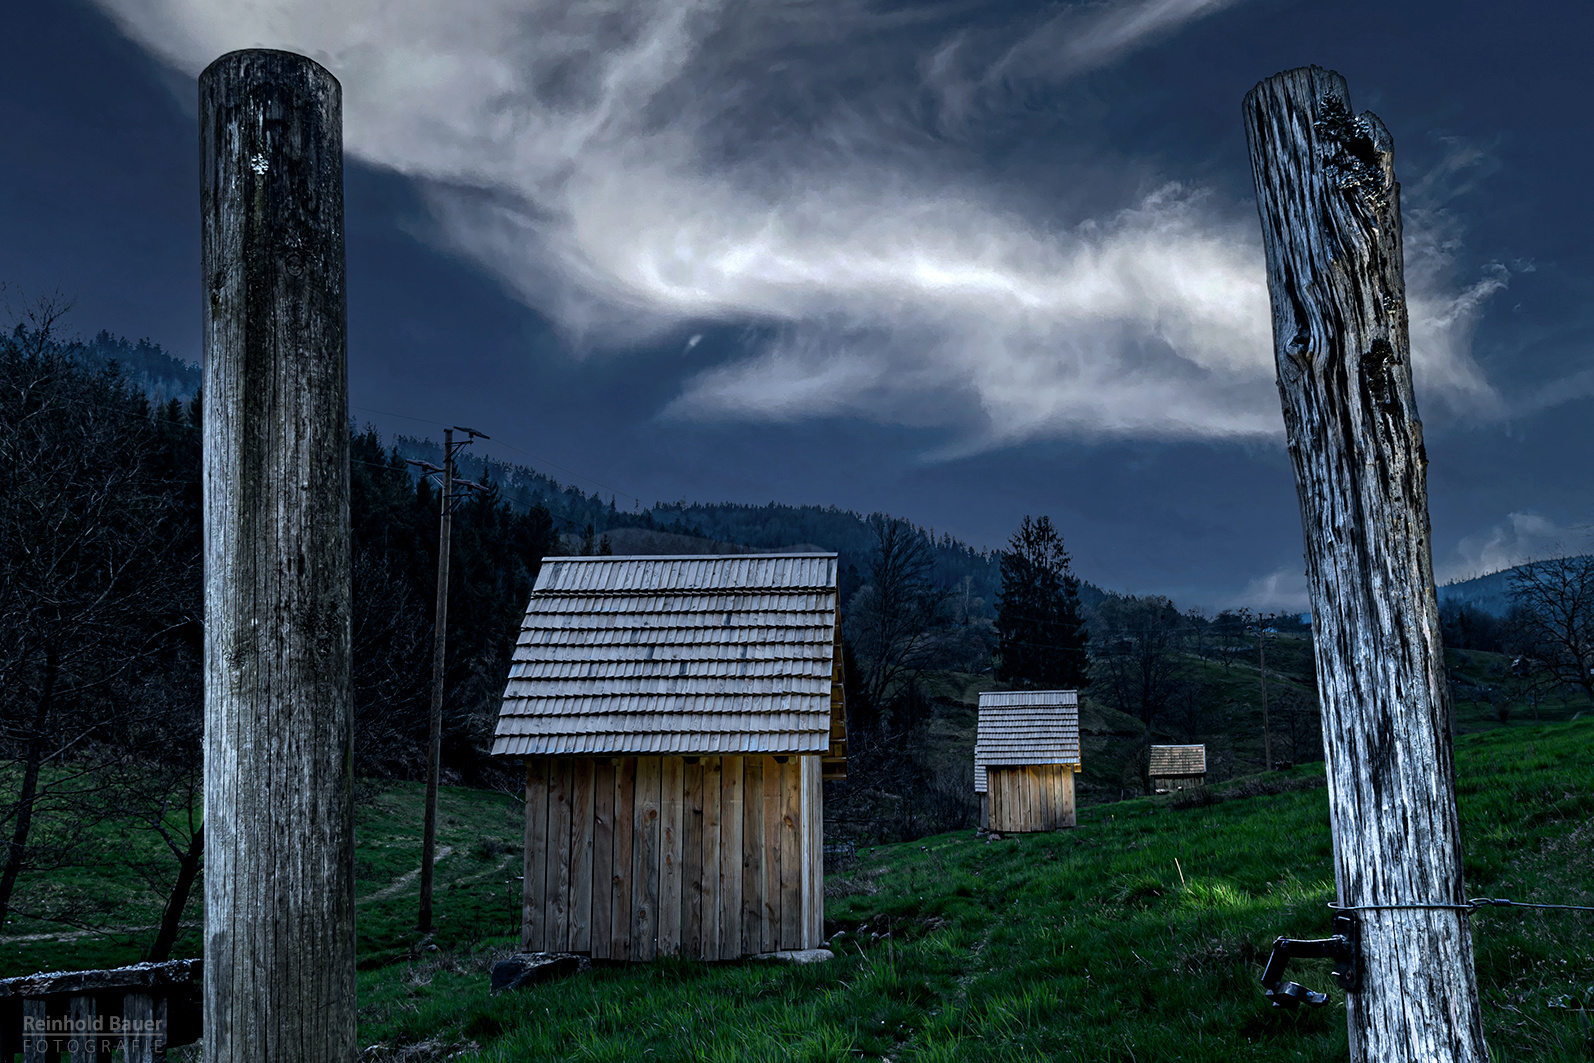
{"x":529,"y":968}
{"x":798,"y":955}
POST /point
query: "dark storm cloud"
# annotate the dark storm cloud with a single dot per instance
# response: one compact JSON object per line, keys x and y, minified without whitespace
{"x":630,"y":169}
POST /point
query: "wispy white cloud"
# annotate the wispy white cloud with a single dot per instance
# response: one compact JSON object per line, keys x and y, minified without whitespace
{"x":631,"y":168}
{"x":978,"y":71}
{"x":1283,"y":590}
{"x":1445,"y":307}
{"x":1521,"y":537}
{"x":1148,"y":322}
{"x":1084,"y":37}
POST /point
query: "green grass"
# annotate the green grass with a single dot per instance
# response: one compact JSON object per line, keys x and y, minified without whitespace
{"x":111,"y":911}
{"x":1138,"y":936}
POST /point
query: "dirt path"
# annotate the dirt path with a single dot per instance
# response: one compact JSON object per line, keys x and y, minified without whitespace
{"x":79,"y":935}
{"x":398,"y":884}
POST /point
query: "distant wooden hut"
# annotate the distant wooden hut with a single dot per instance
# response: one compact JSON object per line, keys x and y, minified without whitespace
{"x":676,"y":716}
{"x":1177,"y":767}
{"x":1026,"y":751}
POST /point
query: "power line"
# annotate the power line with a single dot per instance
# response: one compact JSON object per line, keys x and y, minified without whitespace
{"x":507,"y":499}
{"x":517,"y":450}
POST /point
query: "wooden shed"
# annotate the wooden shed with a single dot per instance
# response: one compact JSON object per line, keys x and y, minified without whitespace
{"x":676,"y":716}
{"x":1026,"y":751}
{"x":1177,"y":767}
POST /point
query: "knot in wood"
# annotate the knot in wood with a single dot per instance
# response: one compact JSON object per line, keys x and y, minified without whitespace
{"x":1378,"y":378}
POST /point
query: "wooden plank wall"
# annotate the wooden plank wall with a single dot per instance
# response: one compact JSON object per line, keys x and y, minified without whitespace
{"x":705,"y":857}
{"x":1029,"y":798}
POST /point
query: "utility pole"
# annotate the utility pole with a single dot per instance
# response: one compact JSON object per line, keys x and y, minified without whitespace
{"x":434,"y":747}
{"x":1330,"y":211}
{"x":1267,"y":733}
{"x":279,"y":782}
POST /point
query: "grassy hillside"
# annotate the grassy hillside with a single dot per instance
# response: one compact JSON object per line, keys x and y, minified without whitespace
{"x":1138,"y":936}
{"x":887,"y":807}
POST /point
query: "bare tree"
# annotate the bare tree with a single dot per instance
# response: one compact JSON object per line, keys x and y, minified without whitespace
{"x":86,"y":583}
{"x":1137,"y":665}
{"x":1302,"y":727}
{"x":154,"y":771}
{"x":1229,"y":636}
{"x":892,"y":619}
{"x":1189,"y":712}
{"x":391,"y":639}
{"x":1554,"y":616}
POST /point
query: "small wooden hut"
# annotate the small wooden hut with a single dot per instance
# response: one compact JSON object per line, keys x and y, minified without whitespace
{"x":676,"y":716}
{"x":1177,"y":768}
{"x":1026,"y":751}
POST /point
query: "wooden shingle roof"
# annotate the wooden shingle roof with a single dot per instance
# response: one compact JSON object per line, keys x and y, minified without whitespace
{"x":1026,"y":727}
{"x":1170,"y":762}
{"x":696,"y":655}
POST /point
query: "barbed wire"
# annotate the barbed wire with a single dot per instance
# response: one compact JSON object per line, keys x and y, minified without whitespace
{"x":1471,"y":905}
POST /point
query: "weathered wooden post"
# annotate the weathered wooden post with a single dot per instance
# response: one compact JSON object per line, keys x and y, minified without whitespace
{"x":1330,"y":211}
{"x":434,"y":740}
{"x":279,"y":814}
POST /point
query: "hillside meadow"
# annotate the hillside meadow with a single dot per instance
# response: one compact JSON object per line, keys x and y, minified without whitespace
{"x":1139,"y":936}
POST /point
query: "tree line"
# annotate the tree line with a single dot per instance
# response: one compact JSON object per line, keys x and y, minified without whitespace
{"x":101,"y":614}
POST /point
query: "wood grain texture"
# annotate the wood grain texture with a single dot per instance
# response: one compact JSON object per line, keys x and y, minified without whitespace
{"x":84,"y":1048}
{"x":624,"y":835}
{"x":713,"y":780}
{"x":532,"y":935}
{"x":279,"y":812}
{"x":645,"y":861}
{"x":583,"y":807}
{"x":1331,"y":228}
{"x":630,"y":858}
{"x":141,"y":1011}
{"x":672,"y":797}
{"x":730,"y":862}
{"x":559,"y":822}
{"x":752,"y":857}
{"x":791,"y":874}
{"x":35,"y":1014}
{"x":773,"y":809}
{"x":1025,"y":798}
{"x":602,"y":857}
{"x":813,"y":885}
{"x":692,"y":861}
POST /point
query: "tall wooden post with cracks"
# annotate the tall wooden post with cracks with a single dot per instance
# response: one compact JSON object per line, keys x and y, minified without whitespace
{"x":279,"y":812}
{"x":1330,"y":211}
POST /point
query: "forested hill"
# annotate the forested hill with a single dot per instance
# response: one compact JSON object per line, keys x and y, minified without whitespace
{"x":145,"y":365}
{"x":680,"y":527}
{"x":1491,"y":594}
{"x":728,"y":527}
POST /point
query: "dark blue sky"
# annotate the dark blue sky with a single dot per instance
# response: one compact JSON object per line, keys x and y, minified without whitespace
{"x":959,"y":262}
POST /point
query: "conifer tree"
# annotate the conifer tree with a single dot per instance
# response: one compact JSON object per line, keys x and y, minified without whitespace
{"x":1041,"y":634}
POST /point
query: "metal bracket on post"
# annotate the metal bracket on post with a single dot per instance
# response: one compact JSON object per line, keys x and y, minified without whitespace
{"x":1342,"y":948}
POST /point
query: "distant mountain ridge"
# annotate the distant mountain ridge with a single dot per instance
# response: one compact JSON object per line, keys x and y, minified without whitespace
{"x":1489,"y":594}
{"x":682,"y":527}
{"x":145,"y":365}
{"x":691,"y":528}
